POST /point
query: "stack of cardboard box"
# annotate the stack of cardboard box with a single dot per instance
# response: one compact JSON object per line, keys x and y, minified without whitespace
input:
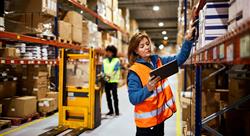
{"x":34,"y":80}
{"x":213,"y":22}
{"x":29,"y":16}
{"x":17,"y":107}
{"x":75,"y":19}
{"x":48,"y":104}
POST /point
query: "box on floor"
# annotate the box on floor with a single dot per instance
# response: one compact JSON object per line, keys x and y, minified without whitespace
{"x":47,"y":105}
{"x":17,"y":107}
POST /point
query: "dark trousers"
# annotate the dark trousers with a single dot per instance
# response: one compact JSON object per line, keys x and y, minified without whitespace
{"x":157,"y":130}
{"x":108,"y":88}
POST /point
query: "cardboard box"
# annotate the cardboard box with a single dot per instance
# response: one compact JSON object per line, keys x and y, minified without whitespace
{"x":9,"y":52}
{"x":40,"y":93}
{"x":27,"y":23}
{"x":73,"y":18}
{"x":46,"y":105}
{"x":82,"y":2}
{"x":17,"y":107}
{"x":109,"y":14}
{"x":7,"y":89}
{"x":77,"y":34}
{"x":114,"y":4}
{"x":48,"y":7}
{"x":64,"y":29}
{"x":53,"y":95}
{"x":1,"y":109}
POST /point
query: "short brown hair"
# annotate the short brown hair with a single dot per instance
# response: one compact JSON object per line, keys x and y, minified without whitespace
{"x":133,"y":44}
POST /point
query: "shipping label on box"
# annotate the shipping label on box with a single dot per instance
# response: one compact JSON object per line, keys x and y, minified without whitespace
{"x":245,"y":46}
{"x":230,"y":52}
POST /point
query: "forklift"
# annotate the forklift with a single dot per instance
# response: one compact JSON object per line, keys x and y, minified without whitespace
{"x":79,"y":97}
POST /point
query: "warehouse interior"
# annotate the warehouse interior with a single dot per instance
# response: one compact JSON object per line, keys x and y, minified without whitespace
{"x":52,"y":54}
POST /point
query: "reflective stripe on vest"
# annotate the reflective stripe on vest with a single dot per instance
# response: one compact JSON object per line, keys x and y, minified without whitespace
{"x":109,"y":69}
{"x":153,"y":113}
{"x":159,"y":106}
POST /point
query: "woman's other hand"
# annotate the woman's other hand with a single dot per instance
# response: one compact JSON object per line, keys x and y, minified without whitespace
{"x":152,"y":82}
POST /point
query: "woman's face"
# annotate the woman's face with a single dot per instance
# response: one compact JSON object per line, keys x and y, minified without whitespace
{"x":144,"y":48}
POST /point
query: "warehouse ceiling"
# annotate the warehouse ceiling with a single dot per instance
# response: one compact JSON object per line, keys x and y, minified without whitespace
{"x":148,"y":19}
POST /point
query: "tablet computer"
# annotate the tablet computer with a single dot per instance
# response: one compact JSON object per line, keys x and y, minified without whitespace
{"x":165,"y":70}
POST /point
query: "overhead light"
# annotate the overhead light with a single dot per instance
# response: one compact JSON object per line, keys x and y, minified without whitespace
{"x":81,"y":11}
{"x":165,"y":38}
{"x":161,"y":46}
{"x":156,"y":8}
{"x":161,"y":24}
{"x":164,"y":32}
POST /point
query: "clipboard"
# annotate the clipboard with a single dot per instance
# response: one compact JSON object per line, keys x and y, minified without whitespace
{"x":166,"y":70}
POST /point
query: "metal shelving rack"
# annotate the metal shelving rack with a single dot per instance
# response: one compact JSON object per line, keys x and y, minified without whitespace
{"x":223,"y":50}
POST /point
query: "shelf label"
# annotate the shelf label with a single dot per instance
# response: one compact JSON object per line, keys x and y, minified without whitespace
{"x":38,"y":62}
{"x":2,"y":61}
{"x":245,"y":46}
{"x":214,"y":53}
{"x":221,"y":49}
{"x":12,"y":61}
{"x":206,"y":55}
{"x":21,"y":62}
{"x":230,"y":52}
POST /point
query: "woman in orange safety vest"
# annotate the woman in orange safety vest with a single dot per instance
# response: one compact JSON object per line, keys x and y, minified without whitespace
{"x":152,"y":96}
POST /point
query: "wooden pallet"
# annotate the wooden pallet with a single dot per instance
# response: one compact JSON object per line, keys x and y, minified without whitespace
{"x":18,"y":121}
{"x":46,"y":114}
{"x":5,"y":124}
{"x":47,"y":37}
{"x":64,"y":40}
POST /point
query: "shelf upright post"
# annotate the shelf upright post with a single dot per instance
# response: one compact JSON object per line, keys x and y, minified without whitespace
{"x":198,"y":89}
{"x":2,"y":8}
{"x":185,"y":29}
{"x":56,"y":48}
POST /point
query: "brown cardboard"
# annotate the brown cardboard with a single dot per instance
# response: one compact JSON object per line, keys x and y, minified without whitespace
{"x":27,"y":23}
{"x":19,"y":107}
{"x":77,"y":34}
{"x":64,"y":29}
{"x":40,"y":93}
{"x":46,"y":105}
{"x":7,"y":89}
{"x":73,"y":18}
{"x":48,"y":7}
{"x":1,"y":109}
{"x":53,"y":95}
{"x":9,"y":52}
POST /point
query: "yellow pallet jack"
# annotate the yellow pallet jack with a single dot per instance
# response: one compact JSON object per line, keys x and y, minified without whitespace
{"x":79,"y":98}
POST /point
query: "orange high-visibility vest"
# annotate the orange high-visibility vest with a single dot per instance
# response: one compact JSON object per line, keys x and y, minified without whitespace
{"x":159,"y":106}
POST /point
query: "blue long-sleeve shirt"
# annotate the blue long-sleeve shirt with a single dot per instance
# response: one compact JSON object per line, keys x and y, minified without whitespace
{"x":137,"y":92}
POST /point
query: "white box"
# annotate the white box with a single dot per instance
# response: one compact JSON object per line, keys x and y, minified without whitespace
{"x":215,"y":29}
{"x":216,"y":19}
{"x":214,"y":8}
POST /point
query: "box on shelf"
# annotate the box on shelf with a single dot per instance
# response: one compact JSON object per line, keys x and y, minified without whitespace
{"x":238,"y":13}
{"x":2,"y":28}
{"x":1,"y":109}
{"x":64,"y":30}
{"x":46,"y":105}
{"x":9,"y":52}
{"x":114,"y":4}
{"x":77,"y":33}
{"x":7,"y":89}
{"x":48,"y":7}
{"x":109,"y":14}
{"x":17,"y":107}
{"x":73,"y":18}
{"x":82,"y":2}
{"x":28,"y":23}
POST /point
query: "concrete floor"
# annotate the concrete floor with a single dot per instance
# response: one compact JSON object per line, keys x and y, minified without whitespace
{"x":122,"y":125}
